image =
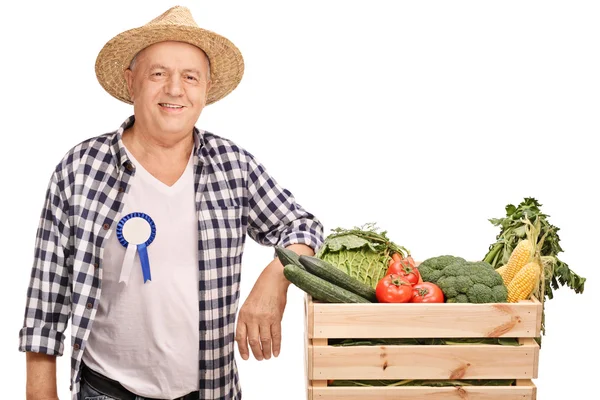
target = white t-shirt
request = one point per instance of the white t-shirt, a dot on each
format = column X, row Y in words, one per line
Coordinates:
column 145, row 335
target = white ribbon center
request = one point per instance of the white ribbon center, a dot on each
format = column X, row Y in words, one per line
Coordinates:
column 136, row 230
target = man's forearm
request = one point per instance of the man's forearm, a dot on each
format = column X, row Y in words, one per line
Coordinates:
column 41, row 377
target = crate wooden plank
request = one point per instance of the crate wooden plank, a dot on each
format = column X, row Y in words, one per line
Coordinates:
column 316, row 378
column 529, row 384
column 308, row 309
column 429, row 393
column 309, row 345
column 425, row 362
column 440, row 320
column 532, row 342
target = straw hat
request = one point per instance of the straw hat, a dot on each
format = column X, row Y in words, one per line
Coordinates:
column 177, row 24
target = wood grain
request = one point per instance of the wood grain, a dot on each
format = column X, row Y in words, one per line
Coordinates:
column 425, row 362
column 426, row 393
column 411, row 320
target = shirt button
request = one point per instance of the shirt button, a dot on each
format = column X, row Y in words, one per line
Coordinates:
column 121, row 189
column 96, row 265
column 130, row 167
column 89, row 305
column 105, row 226
column 76, row 346
column 70, row 387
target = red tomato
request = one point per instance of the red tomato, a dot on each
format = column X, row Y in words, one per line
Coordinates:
column 404, row 269
column 427, row 292
column 393, row 289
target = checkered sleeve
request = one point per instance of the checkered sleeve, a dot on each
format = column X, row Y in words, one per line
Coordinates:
column 275, row 217
column 47, row 307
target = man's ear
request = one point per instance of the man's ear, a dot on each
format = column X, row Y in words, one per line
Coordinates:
column 129, row 78
column 208, row 85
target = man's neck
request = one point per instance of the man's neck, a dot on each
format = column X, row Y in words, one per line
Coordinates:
column 155, row 148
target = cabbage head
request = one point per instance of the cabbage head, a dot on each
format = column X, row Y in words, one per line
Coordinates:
column 361, row 252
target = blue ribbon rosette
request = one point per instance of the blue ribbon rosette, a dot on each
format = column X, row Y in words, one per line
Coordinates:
column 135, row 232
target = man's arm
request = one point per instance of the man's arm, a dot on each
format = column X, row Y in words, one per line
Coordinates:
column 259, row 321
column 41, row 377
column 48, row 305
column 274, row 215
column 274, row 218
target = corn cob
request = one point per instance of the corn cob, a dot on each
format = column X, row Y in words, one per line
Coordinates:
column 501, row 270
column 519, row 257
column 523, row 283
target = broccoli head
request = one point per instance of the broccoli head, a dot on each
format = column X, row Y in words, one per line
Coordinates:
column 472, row 282
column 431, row 268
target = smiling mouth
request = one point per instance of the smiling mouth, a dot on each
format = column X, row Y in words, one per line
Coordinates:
column 169, row 105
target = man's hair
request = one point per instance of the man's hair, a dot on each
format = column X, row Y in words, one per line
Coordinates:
column 133, row 61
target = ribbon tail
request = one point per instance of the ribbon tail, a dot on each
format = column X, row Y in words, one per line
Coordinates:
column 127, row 266
column 143, row 251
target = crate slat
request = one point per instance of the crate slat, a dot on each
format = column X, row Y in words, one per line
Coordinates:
column 429, row 393
column 441, row 320
column 425, row 362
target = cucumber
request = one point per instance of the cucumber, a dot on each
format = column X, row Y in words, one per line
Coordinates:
column 287, row 256
column 319, row 288
column 325, row 270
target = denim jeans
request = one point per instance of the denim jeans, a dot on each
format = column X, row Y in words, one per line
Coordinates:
column 90, row 393
column 94, row 387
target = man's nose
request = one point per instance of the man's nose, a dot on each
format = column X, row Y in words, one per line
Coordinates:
column 174, row 86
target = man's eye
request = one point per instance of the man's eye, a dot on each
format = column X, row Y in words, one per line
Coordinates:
column 158, row 74
column 191, row 78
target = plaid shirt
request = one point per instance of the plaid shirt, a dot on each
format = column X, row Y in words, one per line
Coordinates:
column 234, row 196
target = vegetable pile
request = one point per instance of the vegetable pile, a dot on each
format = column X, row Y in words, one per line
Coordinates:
column 362, row 265
column 368, row 269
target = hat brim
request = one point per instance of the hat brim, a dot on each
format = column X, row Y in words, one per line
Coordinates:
column 226, row 61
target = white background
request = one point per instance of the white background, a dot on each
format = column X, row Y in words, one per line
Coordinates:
column 425, row 117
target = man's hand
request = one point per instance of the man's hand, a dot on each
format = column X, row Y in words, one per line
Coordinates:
column 259, row 320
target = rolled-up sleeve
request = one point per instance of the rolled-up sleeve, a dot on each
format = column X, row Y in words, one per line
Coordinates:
column 47, row 307
column 275, row 217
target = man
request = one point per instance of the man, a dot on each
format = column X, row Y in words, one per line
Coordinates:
column 142, row 234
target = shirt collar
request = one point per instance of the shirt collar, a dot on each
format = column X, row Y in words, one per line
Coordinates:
column 118, row 148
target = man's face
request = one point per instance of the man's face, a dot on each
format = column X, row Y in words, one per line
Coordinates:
column 169, row 84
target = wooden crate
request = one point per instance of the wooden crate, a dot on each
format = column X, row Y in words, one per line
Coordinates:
column 324, row 362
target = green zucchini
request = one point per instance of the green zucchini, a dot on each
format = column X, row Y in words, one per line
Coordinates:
column 319, row 288
column 325, row 270
column 287, row 256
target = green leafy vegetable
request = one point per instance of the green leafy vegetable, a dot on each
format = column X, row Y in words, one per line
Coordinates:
column 513, row 229
column 361, row 252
